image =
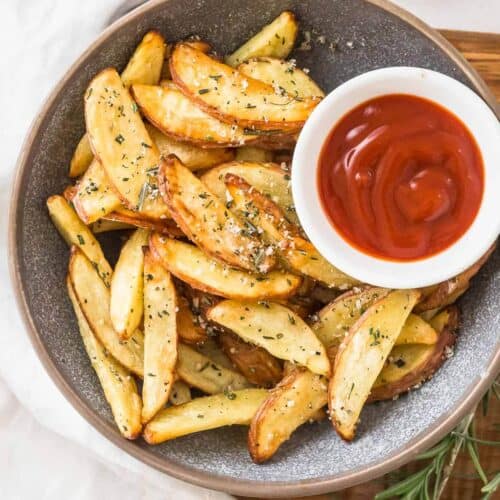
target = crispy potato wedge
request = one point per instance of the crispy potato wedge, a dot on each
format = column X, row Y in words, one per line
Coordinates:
column 293, row 402
column 193, row 157
column 190, row 264
column 253, row 154
column 212, row 350
column 283, row 75
column 299, row 254
column 448, row 291
column 187, row 327
column 75, row 232
column 207, row 222
column 160, row 336
column 410, row 365
column 174, row 114
column 275, row 39
column 205, row 374
column 236, row 98
column 145, row 64
column 275, row 328
column 362, row 355
column 119, row 138
column 94, row 196
column 255, row 363
column 118, row 385
column 105, row 226
column 126, row 305
column 82, row 157
column 201, row 414
column 268, row 178
column 94, row 298
column 180, row 393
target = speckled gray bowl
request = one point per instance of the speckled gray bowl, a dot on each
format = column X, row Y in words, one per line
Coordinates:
column 367, row 35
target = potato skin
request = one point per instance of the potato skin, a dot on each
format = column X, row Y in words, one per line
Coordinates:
column 255, row 363
column 447, row 339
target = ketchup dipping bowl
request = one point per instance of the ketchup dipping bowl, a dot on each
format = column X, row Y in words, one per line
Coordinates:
column 410, row 196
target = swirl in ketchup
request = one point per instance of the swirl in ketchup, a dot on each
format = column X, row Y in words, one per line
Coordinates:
column 400, row 177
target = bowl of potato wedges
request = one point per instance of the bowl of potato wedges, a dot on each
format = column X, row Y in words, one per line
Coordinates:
column 165, row 280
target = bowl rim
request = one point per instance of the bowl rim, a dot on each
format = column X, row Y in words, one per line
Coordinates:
column 282, row 489
column 432, row 86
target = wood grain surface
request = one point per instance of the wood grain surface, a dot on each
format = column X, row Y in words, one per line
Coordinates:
column 482, row 50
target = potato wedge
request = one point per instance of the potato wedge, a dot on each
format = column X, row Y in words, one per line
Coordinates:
column 126, row 303
column 207, row 222
column 253, row 154
column 275, row 39
column 118, row 385
column 105, row 226
column 119, row 138
column 141, row 68
column 445, row 293
column 160, row 336
column 362, row 355
column 268, row 178
column 293, row 402
column 82, row 157
column 298, row 253
column 283, row 75
column 180, row 393
column 255, row 363
column 235, row 98
column 187, row 327
column 201, row 414
column 145, row 64
column 174, row 114
column 193, row 157
column 190, row 264
column 410, row 365
column 94, row 196
column 205, row 374
column 94, row 298
column 75, row 232
column 275, row 328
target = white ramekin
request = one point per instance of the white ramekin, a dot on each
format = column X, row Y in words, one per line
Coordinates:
column 449, row 93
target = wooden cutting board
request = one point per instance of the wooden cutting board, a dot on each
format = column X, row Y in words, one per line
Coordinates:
column 482, row 50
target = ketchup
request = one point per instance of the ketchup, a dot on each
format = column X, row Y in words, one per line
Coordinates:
column 400, row 177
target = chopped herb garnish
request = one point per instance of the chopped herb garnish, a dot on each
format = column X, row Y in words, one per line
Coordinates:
column 203, row 91
column 120, row 139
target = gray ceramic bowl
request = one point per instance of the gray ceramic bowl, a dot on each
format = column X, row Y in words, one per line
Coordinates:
column 367, row 35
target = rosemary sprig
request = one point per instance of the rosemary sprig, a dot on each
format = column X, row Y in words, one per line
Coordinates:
column 430, row 482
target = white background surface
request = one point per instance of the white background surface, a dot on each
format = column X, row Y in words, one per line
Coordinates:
column 46, row 450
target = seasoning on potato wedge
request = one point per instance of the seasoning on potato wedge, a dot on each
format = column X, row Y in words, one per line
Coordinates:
column 275, row 39
column 189, row 330
column 299, row 254
column 191, row 265
column 180, row 393
column 236, row 98
column 275, row 328
column 293, row 402
column 201, row 414
column 268, row 178
column 116, row 381
column 94, row 299
column 362, row 356
column 208, row 222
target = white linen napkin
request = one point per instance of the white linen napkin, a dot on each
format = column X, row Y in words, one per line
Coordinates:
column 39, row 40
